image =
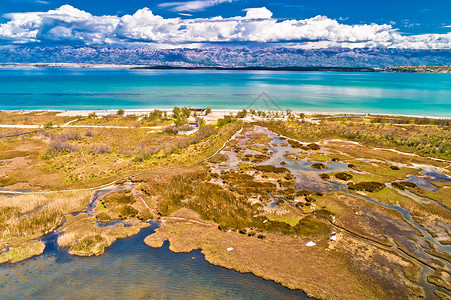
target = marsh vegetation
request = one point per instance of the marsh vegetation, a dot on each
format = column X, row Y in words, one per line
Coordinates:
column 291, row 198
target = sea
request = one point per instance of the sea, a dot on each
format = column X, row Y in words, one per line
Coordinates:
column 131, row 270
column 416, row 94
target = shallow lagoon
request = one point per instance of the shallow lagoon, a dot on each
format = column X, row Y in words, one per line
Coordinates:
column 129, row 269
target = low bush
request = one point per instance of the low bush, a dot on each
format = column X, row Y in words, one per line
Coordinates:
column 366, row 186
column 271, row 169
column 312, row 146
column 324, row 176
column 343, row 176
column 61, row 146
column 101, row 149
column 171, row 130
column 402, row 185
column 319, row 166
column 71, row 136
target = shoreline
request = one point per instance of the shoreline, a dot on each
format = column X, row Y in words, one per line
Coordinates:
column 340, row 69
column 220, row 111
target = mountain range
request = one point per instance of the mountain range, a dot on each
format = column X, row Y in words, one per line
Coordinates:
column 226, row 57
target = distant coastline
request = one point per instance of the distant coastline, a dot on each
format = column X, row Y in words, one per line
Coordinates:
column 396, row 69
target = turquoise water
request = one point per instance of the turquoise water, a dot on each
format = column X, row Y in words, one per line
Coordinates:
column 78, row 89
column 129, row 269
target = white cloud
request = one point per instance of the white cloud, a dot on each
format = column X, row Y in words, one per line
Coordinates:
column 258, row 13
column 194, row 5
column 68, row 25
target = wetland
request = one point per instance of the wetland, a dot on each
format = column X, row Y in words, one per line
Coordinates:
column 319, row 207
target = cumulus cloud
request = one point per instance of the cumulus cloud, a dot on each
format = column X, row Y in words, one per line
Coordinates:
column 195, row 5
column 68, row 25
column 258, row 13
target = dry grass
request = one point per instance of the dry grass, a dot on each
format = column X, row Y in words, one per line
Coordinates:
column 33, row 118
column 36, row 214
column 49, row 160
column 319, row 271
column 83, row 238
column 26, row 250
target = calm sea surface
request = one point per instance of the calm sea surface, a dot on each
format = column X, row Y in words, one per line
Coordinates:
column 78, row 89
column 129, row 269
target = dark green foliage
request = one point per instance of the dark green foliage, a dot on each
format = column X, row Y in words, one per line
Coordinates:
column 181, row 120
column 186, row 112
column 310, row 199
column 343, row 176
column 104, row 217
column 304, row 193
column 311, row 227
column 324, row 214
column 176, row 112
column 366, row 186
column 127, row 211
column 314, row 147
column 294, row 144
column 255, row 158
column 231, row 176
column 271, row 169
column 117, row 198
column 324, row 176
column 242, row 114
column 280, row 202
column 218, row 158
column 319, row 166
column 225, row 120
column 401, row 185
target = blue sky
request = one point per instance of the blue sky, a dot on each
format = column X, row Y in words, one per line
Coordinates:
column 405, row 18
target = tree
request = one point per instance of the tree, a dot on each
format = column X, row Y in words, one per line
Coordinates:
column 207, row 111
column 226, row 120
column 176, row 112
column 120, row 112
column 186, row 111
column 242, row 114
column 181, row 120
column 156, row 114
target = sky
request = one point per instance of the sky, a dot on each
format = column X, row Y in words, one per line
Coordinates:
column 413, row 24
